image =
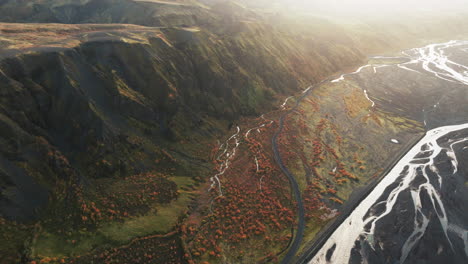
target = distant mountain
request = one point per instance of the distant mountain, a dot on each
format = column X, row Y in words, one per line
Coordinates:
column 101, row 11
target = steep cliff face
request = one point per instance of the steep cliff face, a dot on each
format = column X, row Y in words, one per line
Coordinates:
column 174, row 82
column 106, row 102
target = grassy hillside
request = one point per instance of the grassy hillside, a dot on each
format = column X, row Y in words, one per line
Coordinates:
column 109, row 133
column 94, row 106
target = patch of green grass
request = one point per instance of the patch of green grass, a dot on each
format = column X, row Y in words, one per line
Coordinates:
column 161, row 219
column 12, row 238
column 311, row 231
column 51, row 245
column 300, row 174
column 161, row 222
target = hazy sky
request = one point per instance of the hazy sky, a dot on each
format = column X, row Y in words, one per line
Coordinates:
column 378, row 6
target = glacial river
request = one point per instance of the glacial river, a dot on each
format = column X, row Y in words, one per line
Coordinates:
column 418, row 213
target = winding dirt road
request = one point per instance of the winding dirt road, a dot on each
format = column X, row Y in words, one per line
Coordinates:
column 299, row 234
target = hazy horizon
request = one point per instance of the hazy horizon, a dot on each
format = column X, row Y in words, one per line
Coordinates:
column 365, row 7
